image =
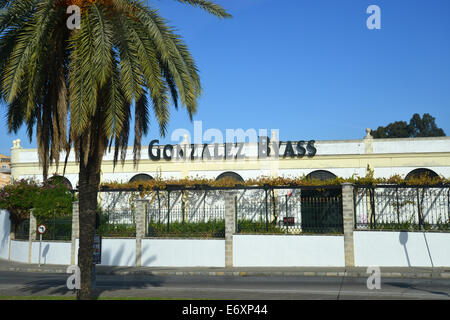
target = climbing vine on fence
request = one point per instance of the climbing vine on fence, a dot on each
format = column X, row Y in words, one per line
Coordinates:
column 147, row 187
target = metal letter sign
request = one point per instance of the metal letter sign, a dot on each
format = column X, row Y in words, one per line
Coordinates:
column 169, row 151
column 97, row 250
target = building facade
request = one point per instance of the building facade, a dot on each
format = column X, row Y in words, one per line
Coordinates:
column 5, row 170
column 341, row 158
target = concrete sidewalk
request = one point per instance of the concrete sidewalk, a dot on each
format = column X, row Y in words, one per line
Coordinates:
column 388, row 272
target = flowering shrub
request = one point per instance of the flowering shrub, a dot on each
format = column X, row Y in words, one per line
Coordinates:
column 46, row 199
column 18, row 198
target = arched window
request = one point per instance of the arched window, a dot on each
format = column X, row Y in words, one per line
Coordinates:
column 422, row 172
column 321, row 175
column 60, row 179
column 141, row 177
column 231, row 175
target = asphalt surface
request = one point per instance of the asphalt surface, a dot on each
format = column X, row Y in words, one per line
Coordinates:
column 227, row 287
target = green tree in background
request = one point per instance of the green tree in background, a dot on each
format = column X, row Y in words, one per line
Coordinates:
column 80, row 89
column 417, row 127
column 424, row 127
column 398, row 129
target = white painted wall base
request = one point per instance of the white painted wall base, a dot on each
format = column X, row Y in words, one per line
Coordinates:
column 183, row 253
column 372, row 248
column 5, row 227
column 115, row 252
column 288, row 251
column 402, row 249
column 163, row 252
column 19, row 250
column 52, row 252
column 118, row 252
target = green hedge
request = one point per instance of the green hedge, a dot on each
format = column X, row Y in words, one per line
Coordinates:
column 210, row 229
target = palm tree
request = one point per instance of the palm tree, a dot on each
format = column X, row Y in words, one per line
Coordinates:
column 79, row 88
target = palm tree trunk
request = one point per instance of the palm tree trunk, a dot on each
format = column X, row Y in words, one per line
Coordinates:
column 89, row 180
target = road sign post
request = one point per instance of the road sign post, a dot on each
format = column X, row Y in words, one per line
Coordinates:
column 41, row 229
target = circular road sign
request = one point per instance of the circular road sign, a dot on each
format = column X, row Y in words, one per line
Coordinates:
column 42, row 228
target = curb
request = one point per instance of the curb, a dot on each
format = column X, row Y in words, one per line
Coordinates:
column 349, row 274
column 31, row 269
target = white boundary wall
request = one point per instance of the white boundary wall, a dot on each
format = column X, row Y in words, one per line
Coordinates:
column 5, row 227
column 115, row 252
column 372, row 248
column 52, row 252
column 19, row 250
column 288, row 251
column 183, row 253
column 118, row 252
column 402, row 249
column 163, row 252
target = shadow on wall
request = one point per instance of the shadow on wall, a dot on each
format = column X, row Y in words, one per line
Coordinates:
column 117, row 257
column 44, row 253
column 403, row 238
column 5, row 233
column 4, row 242
column 148, row 262
column 428, row 250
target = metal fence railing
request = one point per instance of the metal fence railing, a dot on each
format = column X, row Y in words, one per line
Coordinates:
column 117, row 223
column 259, row 210
column 200, row 212
column 58, row 228
column 186, row 214
column 402, row 208
column 116, row 216
column 290, row 211
column 22, row 231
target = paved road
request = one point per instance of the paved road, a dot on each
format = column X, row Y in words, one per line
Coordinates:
column 227, row 288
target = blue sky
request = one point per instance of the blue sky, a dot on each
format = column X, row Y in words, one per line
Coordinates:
column 311, row 68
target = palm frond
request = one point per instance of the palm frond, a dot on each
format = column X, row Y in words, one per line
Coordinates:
column 88, row 81
column 209, row 6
